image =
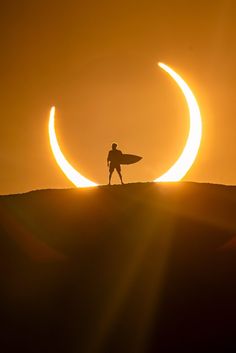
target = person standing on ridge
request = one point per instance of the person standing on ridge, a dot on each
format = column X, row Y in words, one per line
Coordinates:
column 113, row 162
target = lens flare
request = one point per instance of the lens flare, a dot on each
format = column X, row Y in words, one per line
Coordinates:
column 73, row 175
column 189, row 153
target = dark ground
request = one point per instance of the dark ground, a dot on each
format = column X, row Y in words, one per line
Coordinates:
column 133, row 268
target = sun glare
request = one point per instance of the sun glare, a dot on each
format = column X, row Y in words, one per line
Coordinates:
column 73, row 175
column 188, row 156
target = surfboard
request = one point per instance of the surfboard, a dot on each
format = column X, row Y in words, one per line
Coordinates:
column 129, row 159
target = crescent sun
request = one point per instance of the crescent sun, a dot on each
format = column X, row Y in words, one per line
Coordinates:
column 71, row 173
column 189, row 153
column 178, row 169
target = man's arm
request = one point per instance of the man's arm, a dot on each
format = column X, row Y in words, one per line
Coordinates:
column 108, row 159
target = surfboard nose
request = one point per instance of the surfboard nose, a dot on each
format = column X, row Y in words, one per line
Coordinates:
column 130, row 159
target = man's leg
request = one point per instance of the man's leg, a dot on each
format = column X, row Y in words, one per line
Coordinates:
column 119, row 173
column 110, row 175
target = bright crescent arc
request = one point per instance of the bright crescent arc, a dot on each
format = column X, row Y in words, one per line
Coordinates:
column 71, row 173
column 178, row 169
column 189, row 154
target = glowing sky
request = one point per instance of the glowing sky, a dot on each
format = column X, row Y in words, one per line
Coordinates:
column 96, row 62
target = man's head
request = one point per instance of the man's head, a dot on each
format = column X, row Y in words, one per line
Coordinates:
column 114, row 146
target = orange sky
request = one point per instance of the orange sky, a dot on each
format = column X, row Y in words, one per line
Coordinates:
column 96, row 61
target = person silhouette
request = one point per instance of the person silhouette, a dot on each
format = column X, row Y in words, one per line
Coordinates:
column 113, row 162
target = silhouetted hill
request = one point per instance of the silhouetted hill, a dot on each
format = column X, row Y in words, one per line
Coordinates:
column 132, row 268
